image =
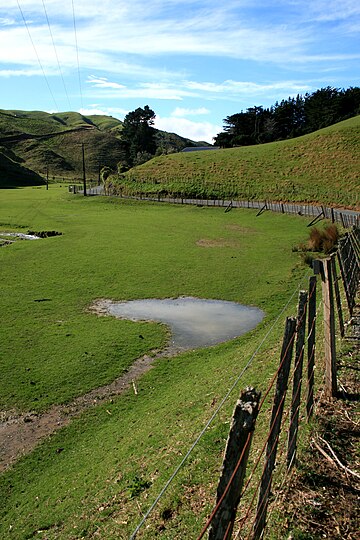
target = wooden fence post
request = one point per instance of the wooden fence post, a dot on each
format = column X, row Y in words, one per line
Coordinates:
column 329, row 329
column 311, row 346
column 275, row 425
column 296, row 392
column 341, row 258
column 337, row 295
column 234, row 465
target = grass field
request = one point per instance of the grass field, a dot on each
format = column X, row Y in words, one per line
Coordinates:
column 322, row 167
column 94, row 478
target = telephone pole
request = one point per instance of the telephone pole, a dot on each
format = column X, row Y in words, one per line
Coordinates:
column 83, row 164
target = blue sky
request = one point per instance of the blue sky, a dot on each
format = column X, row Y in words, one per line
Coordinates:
column 192, row 62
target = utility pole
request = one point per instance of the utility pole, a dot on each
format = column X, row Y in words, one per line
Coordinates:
column 47, row 176
column 83, row 164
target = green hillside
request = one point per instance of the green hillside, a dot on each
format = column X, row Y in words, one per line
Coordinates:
column 322, row 167
column 13, row 173
column 42, row 141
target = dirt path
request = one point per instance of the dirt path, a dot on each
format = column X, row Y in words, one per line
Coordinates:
column 19, row 434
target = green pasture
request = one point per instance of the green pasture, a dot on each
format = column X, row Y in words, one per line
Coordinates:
column 322, row 168
column 96, row 477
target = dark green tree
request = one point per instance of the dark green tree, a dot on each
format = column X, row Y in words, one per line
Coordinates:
column 322, row 108
column 138, row 135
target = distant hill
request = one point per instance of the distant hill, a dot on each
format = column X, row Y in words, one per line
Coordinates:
column 41, row 141
column 322, row 167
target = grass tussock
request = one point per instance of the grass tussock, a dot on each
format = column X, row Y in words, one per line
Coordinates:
column 323, row 240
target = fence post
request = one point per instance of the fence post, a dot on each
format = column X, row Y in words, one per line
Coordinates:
column 311, row 346
column 342, row 256
column 342, row 220
column 275, row 425
column 296, row 392
column 337, row 295
column 234, row 465
column 329, row 328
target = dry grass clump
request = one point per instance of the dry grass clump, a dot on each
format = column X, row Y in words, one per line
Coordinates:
column 323, row 240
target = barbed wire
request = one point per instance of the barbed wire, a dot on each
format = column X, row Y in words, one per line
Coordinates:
column 299, row 360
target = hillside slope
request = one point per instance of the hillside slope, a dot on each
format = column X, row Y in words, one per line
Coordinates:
column 322, row 167
column 42, row 141
column 14, row 174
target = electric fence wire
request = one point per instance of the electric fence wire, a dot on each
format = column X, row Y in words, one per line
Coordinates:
column 37, row 54
column 280, row 469
column 56, row 54
column 212, row 418
column 77, row 53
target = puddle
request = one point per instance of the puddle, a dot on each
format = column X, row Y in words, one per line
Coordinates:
column 22, row 236
column 193, row 322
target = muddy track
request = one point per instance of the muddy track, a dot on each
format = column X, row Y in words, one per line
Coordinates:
column 20, row 434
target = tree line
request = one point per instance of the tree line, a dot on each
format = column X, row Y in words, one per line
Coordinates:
column 290, row 118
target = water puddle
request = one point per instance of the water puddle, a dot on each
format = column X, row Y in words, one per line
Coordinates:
column 193, row 322
column 21, row 236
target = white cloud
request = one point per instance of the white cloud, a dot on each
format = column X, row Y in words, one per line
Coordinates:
column 108, row 31
column 332, row 10
column 196, row 131
column 186, row 89
column 103, row 111
column 6, row 21
column 111, row 90
column 20, row 72
column 103, row 82
column 237, row 51
column 246, row 87
column 181, row 112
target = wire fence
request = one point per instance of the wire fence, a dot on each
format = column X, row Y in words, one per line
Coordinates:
column 348, row 218
column 273, row 462
column 255, row 473
column 253, row 479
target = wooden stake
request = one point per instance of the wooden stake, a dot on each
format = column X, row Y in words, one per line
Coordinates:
column 234, row 465
column 83, row 166
column 329, row 329
column 296, row 393
column 275, row 425
column 311, row 346
column 337, row 295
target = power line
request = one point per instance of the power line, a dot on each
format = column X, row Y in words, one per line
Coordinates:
column 55, row 51
column 37, row 55
column 77, row 52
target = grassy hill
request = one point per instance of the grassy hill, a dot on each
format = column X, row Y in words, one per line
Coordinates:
column 322, row 167
column 13, row 173
column 40, row 140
